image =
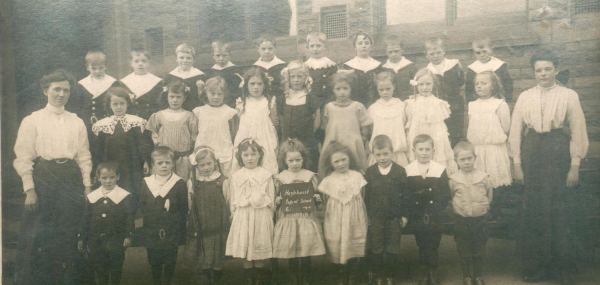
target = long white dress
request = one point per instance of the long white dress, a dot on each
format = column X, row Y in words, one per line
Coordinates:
column 255, row 123
column 346, row 222
column 213, row 131
column 389, row 119
column 251, row 199
column 489, row 121
column 426, row 115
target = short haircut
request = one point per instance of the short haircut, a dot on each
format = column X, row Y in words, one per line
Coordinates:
column 464, row 146
column 221, row 46
column 213, row 84
column 421, row 139
column 176, row 86
column 293, row 145
column 381, row 142
column 116, row 92
column 246, row 144
column 137, row 52
column 384, row 76
column 185, row 48
column 483, row 44
column 361, row 33
column 391, row 40
column 342, row 77
column 497, row 89
column 162, row 151
column 544, row 55
column 316, row 36
column 95, row 58
column 58, row 75
column 333, row 148
column 432, row 43
column 108, row 165
column 436, row 80
column 266, row 38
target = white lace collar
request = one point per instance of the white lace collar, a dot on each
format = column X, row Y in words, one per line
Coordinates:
column 492, row 65
column 460, row 177
column 303, row 175
column 214, row 176
column 397, row 66
column 365, row 65
column 97, row 87
column 185, row 75
column 116, row 195
column 141, row 84
column 107, row 125
column 435, row 169
column 218, row 67
column 156, row 189
column 256, row 176
column 323, row 62
column 55, row 110
column 267, row 65
column 448, row 64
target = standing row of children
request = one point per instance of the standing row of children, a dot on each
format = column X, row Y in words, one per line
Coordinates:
column 225, row 154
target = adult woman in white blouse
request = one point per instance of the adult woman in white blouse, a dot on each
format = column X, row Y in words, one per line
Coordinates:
column 54, row 162
column 546, row 157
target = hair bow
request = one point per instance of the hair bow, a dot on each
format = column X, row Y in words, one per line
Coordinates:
column 187, row 89
column 194, row 155
column 165, row 89
column 413, row 82
column 132, row 96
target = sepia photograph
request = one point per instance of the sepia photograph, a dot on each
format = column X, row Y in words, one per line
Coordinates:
column 276, row 142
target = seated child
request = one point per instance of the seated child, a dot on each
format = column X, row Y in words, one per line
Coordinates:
column 427, row 182
column 107, row 225
column 471, row 197
column 387, row 208
column 164, row 206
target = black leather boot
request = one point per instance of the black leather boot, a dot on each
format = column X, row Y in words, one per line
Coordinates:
column 424, row 277
column 433, row 279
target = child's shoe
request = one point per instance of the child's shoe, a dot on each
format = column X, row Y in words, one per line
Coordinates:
column 467, row 281
column 424, row 278
column 389, row 281
column 433, row 280
column 478, row 281
column 378, row 281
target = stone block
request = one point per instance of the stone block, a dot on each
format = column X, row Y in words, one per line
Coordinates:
column 587, row 82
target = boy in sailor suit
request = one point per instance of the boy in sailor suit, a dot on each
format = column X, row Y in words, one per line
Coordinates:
column 107, row 225
column 482, row 49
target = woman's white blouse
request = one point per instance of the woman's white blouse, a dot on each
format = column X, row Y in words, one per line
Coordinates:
column 560, row 104
column 51, row 133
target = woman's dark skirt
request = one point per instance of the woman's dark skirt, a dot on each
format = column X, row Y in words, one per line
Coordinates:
column 47, row 249
column 546, row 235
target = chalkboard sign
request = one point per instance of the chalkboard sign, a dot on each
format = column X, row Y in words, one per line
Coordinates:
column 297, row 198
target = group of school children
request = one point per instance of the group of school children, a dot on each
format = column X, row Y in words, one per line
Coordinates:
column 206, row 157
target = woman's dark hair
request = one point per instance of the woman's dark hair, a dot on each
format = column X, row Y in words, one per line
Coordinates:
column 246, row 144
column 544, row 55
column 176, row 86
column 116, row 92
column 57, row 76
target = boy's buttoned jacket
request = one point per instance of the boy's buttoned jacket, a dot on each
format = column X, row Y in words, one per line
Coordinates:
column 470, row 198
column 385, row 195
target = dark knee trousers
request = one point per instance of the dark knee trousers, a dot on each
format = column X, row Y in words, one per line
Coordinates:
column 471, row 237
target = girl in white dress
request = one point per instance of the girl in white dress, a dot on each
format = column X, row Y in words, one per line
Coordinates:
column 426, row 114
column 258, row 117
column 345, row 225
column 298, row 236
column 388, row 118
column 217, row 122
column 489, row 123
column 251, row 199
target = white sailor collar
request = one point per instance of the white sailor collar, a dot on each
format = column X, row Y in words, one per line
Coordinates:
column 448, row 64
column 97, row 87
column 397, row 66
column 218, row 67
column 185, row 75
column 268, row 65
column 365, row 65
column 256, row 176
column 116, row 195
column 460, row 177
column 287, row 176
column 214, row 176
column 141, row 84
column 323, row 62
column 492, row 65
column 156, row 190
column 107, row 125
column 435, row 169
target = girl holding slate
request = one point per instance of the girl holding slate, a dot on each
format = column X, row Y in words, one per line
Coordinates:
column 297, row 234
